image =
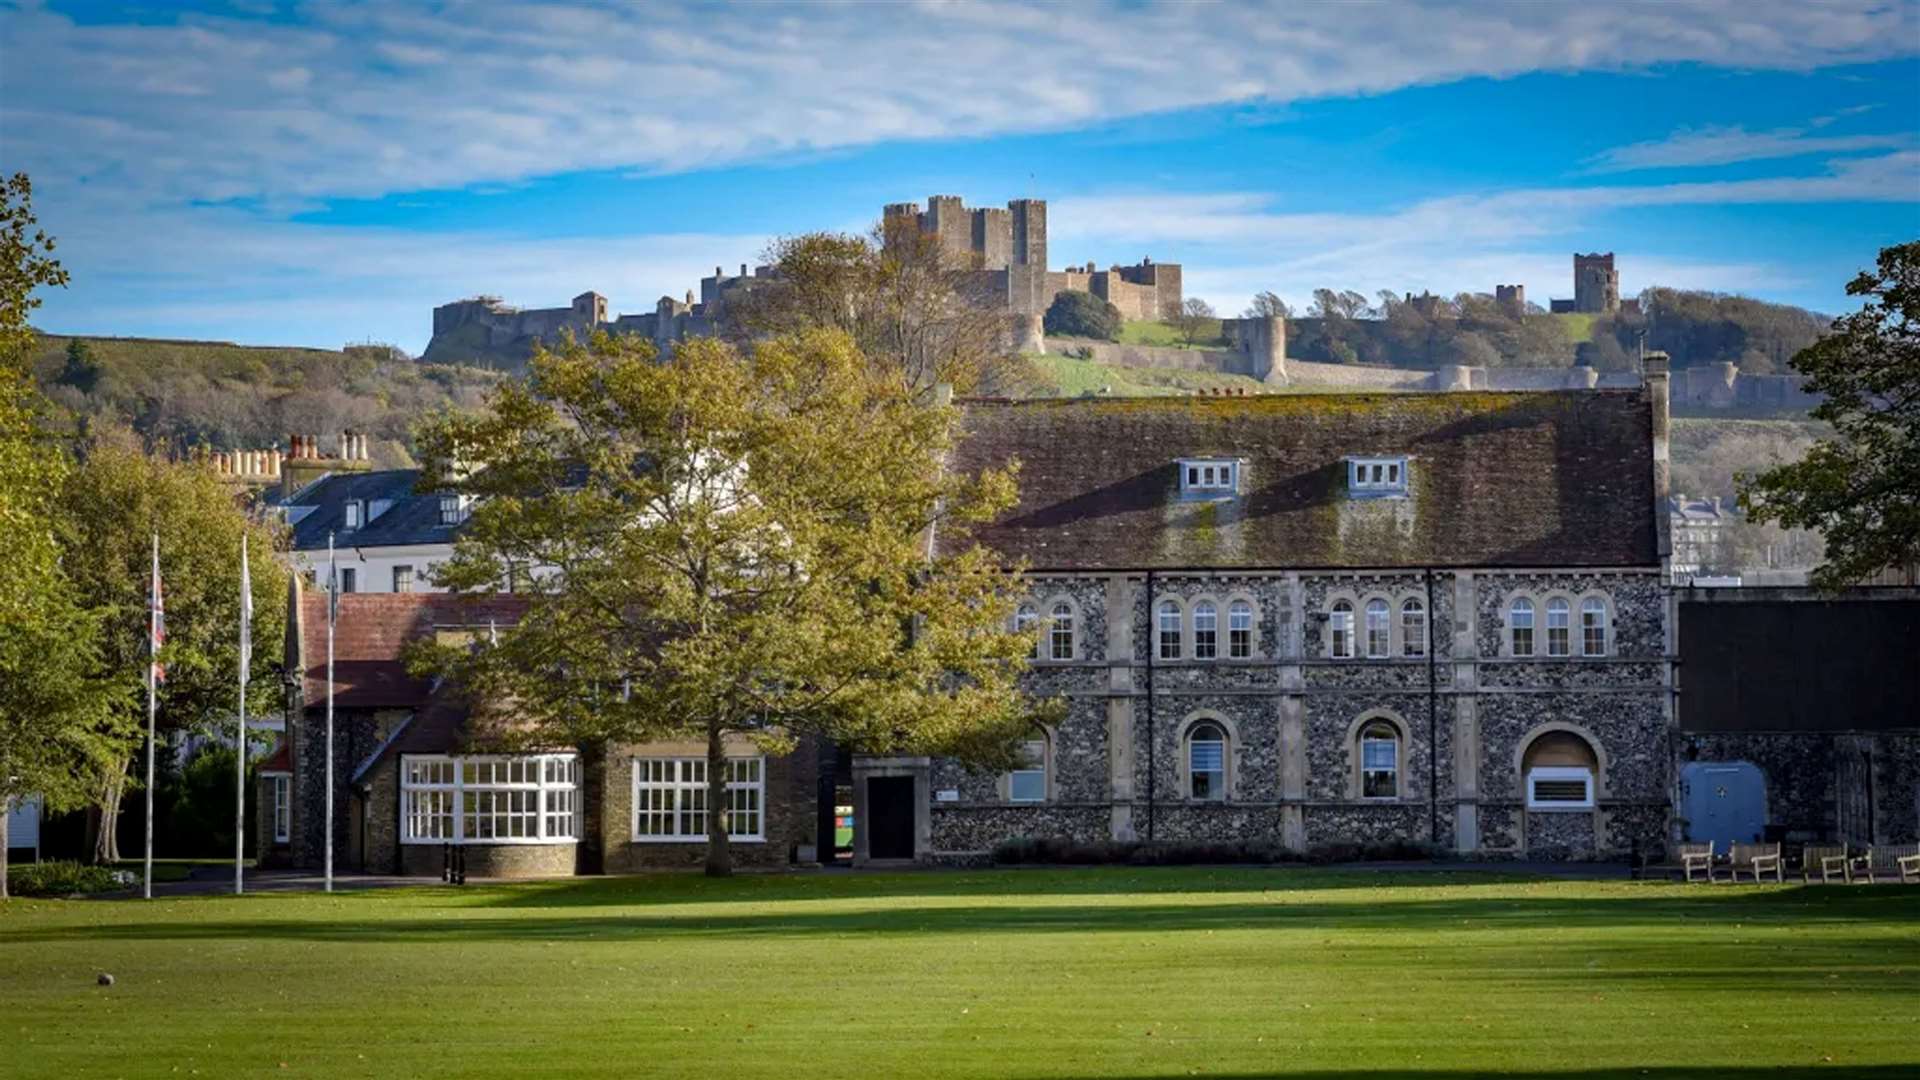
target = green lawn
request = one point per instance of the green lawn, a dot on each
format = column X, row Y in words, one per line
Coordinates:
column 1036, row 973
column 1064, row 376
column 1157, row 332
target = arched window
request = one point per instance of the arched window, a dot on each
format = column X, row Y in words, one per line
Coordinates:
column 1207, row 761
column 1520, row 625
column 1413, row 628
column 1379, row 761
column 1028, row 783
column 1169, row 630
column 1559, row 768
column 1379, row 631
column 1240, row 630
column 1026, row 621
column 1060, row 636
column 1340, row 625
column 1206, row 631
column 1593, row 626
column 1559, row 643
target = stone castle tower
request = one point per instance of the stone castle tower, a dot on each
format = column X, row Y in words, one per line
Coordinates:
column 1596, row 284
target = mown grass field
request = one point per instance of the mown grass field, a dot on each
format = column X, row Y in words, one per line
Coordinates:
column 1089, row 973
column 1065, row 376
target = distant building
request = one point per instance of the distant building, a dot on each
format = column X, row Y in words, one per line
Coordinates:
column 1596, row 287
column 1699, row 526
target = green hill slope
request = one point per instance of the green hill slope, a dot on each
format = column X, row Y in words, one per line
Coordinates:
column 227, row 396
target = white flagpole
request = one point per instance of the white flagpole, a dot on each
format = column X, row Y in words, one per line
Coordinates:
column 333, row 593
column 240, row 743
column 153, row 631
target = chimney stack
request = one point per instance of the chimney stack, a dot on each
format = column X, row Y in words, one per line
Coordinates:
column 1654, row 375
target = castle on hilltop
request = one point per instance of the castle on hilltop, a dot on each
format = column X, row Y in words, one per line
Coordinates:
column 1005, row 250
column 1596, row 288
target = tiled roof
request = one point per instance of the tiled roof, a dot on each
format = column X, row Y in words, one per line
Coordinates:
column 1497, row 480
column 281, row 760
column 370, row 634
column 411, row 518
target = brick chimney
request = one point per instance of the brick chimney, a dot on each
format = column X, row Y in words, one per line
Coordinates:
column 1654, row 376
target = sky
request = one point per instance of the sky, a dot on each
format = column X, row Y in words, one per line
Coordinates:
column 324, row 173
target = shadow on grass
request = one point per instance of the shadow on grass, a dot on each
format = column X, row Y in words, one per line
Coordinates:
column 1654, row 1073
column 1721, row 912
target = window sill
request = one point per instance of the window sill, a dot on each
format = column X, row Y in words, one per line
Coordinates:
column 1560, row 809
column 695, row 840
column 508, row 841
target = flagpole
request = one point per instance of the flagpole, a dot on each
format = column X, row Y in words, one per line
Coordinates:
column 153, row 649
column 333, row 593
column 240, row 742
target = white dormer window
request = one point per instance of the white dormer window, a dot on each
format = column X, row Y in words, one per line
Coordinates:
column 454, row 509
column 1375, row 476
column 356, row 514
column 1209, row 476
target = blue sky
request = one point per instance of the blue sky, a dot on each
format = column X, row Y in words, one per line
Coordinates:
column 319, row 173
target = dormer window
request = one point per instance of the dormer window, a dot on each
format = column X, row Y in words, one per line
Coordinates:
column 356, row 514
column 1376, row 476
column 1209, row 477
column 453, row 509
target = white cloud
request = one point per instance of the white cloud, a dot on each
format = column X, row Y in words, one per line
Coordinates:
column 1691, row 148
column 363, row 99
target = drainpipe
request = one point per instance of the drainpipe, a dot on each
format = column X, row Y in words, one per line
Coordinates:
column 1433, row 720
column 1153, row 744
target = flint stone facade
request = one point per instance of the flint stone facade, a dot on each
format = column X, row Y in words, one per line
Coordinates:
column 1538, row 496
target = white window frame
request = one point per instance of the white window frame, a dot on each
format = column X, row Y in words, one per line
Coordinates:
column 1209, row 476
column 355, row 515
column 1559, row 773
column 1589, row 606
column 1392, row 739
column 1060, row 631
column 1206, row 630
column 1340, row 629
column 1413, row 627
column 1521, row 605
column 397, row 570
column 1224, row 772
column 1161, row 630
column 681, row 784
column 281, row 790
column 1377, row 475
column 436, row 787
column 1239, row 630
column 1382, row 634
column 349, row 579
column 1562, row 607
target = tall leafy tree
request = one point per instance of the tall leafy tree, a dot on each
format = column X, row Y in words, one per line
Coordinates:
column 1861, row 487
column 732, row 544
column 56, row 723
column 114, row 501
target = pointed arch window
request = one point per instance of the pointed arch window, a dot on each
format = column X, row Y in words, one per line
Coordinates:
column 1206, row 631
column 1520, row 627
column 1340, row 627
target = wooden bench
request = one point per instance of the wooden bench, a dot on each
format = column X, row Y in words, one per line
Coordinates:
column 1756, row 861
column 1900, row 861
column 1826, row 860
column 1695, row 859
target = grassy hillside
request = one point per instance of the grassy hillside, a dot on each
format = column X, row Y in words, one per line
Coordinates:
column 1156, row 332
column 228, row 396
column 1064, row 376
column 1707, row 453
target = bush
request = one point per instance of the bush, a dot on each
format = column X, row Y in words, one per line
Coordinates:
column 65, row 879
column 1061, row 851
column 1080, row 314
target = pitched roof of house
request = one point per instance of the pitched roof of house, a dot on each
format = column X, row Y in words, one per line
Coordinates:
column 1496, row 480
column 394, row 514
column 370, row 635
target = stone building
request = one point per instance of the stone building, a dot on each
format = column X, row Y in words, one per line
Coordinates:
column 1699, row 526
column 1008, row 249
column 1429, row 619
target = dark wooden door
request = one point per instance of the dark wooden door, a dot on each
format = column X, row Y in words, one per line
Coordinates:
column 889, row 817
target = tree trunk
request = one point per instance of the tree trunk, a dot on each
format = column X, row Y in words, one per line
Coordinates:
column 106, row 844
column 719, row 854
column 6, row 805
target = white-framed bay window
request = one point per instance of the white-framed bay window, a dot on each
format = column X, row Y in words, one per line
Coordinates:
column 490, row 799
column 670, row 799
